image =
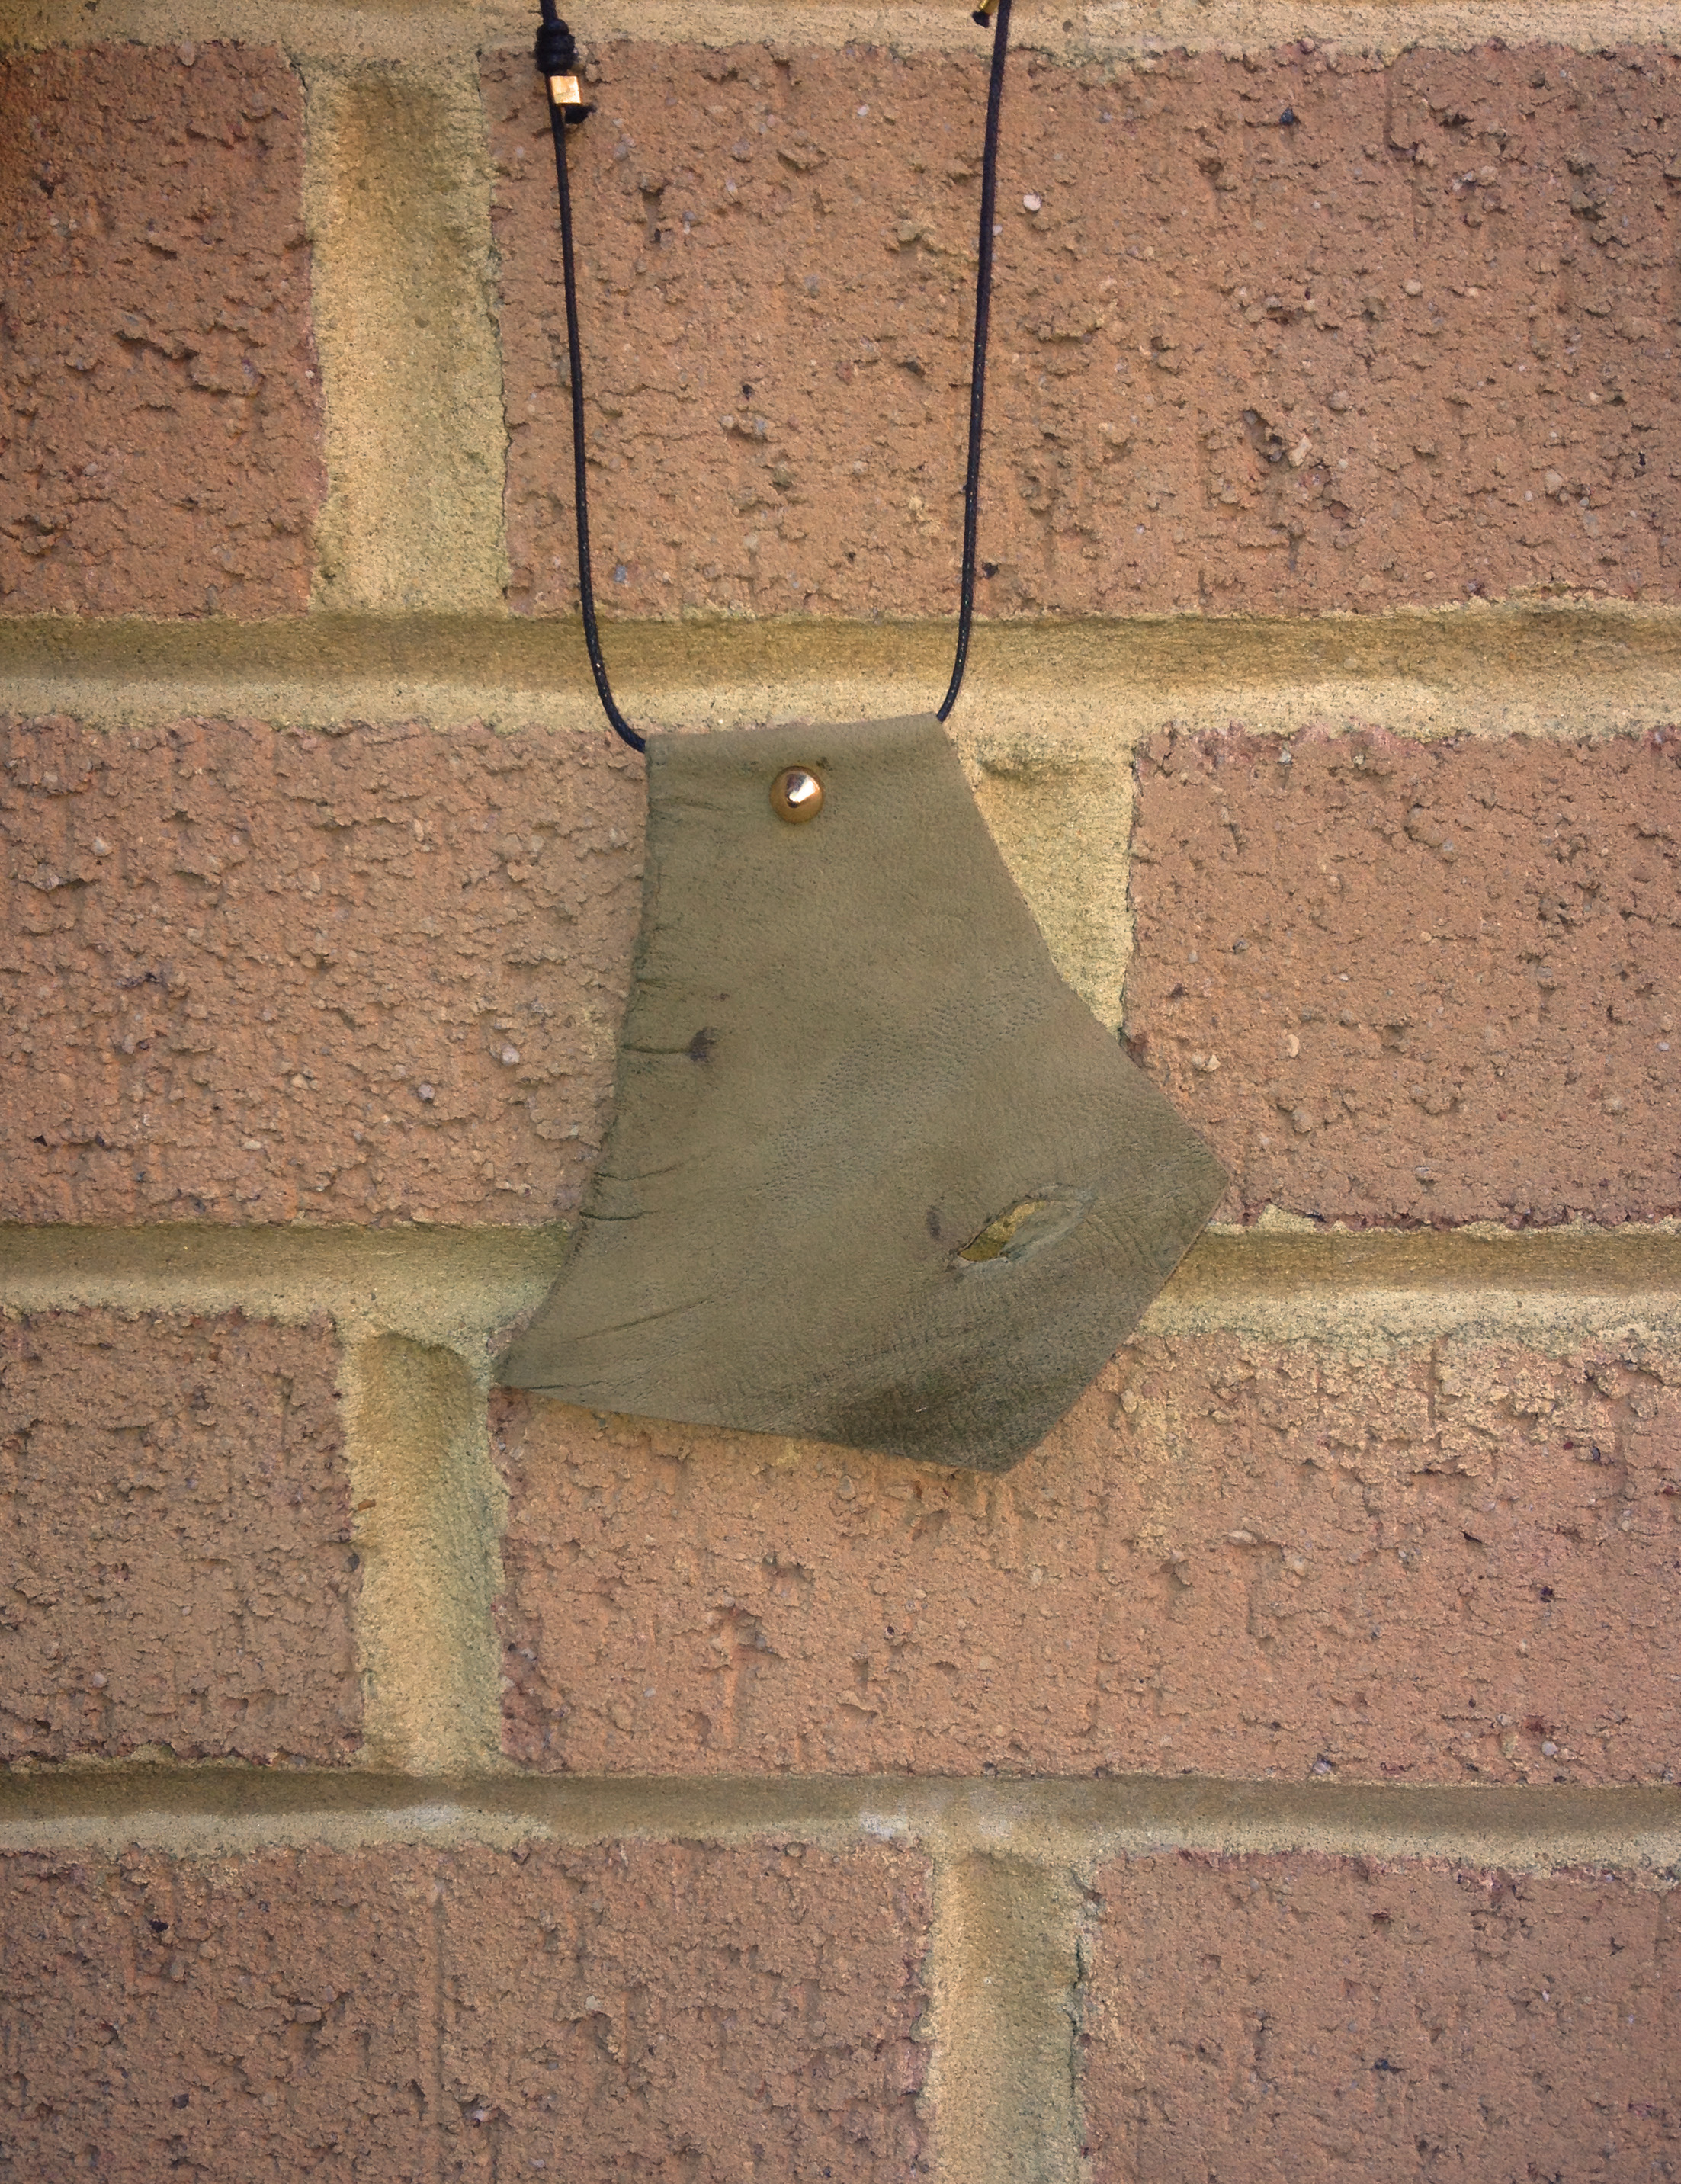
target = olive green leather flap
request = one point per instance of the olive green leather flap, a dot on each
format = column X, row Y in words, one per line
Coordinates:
column 877, row 1175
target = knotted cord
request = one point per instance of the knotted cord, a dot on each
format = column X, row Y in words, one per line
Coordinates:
column 557, row 57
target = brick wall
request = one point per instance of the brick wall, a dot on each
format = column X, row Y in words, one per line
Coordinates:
column 1274, row 1777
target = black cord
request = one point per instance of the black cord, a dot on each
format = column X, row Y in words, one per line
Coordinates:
column 977, row 373
column 557, row 57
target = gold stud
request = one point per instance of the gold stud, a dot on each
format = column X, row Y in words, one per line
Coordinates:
column 796, row 796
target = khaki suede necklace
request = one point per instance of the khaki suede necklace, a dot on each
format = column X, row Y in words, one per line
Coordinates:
column 876, row 1173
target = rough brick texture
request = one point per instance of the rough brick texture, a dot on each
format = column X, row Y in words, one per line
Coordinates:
column 683, row 2014
column 1448, row 1564
column 253, row 975
column 1290, row 334
column 1401, row 983
column 174, row 1569
column 160, row 437
column 1289, row 2019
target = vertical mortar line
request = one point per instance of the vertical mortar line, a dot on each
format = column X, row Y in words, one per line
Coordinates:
column 1007, row 1968
column 428, row 1525
column 397, row 190
column 1060, row 807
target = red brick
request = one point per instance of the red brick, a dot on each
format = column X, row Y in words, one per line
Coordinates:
column 1434, row 1563
column 1211, row 388
column 175, row 1568
column 682, row 2012
column 159, row 442
column 677, row 2011
column 259, row 2017
column 1284, row 2019
column 1401, row 982
column 252, row 975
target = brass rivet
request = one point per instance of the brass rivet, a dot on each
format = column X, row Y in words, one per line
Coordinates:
column 796, row 796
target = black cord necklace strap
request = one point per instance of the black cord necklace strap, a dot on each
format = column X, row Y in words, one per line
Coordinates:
column 977, row 374
column 557, row 57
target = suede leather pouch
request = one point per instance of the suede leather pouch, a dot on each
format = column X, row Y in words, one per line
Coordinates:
column 876, row 1173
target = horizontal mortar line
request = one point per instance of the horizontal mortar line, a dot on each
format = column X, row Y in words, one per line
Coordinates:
column 1367, row 1288
column 1111, row 31
column 440, row 1284
column 1548, row 669
column 452, row 1285
column 1061, row 1822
